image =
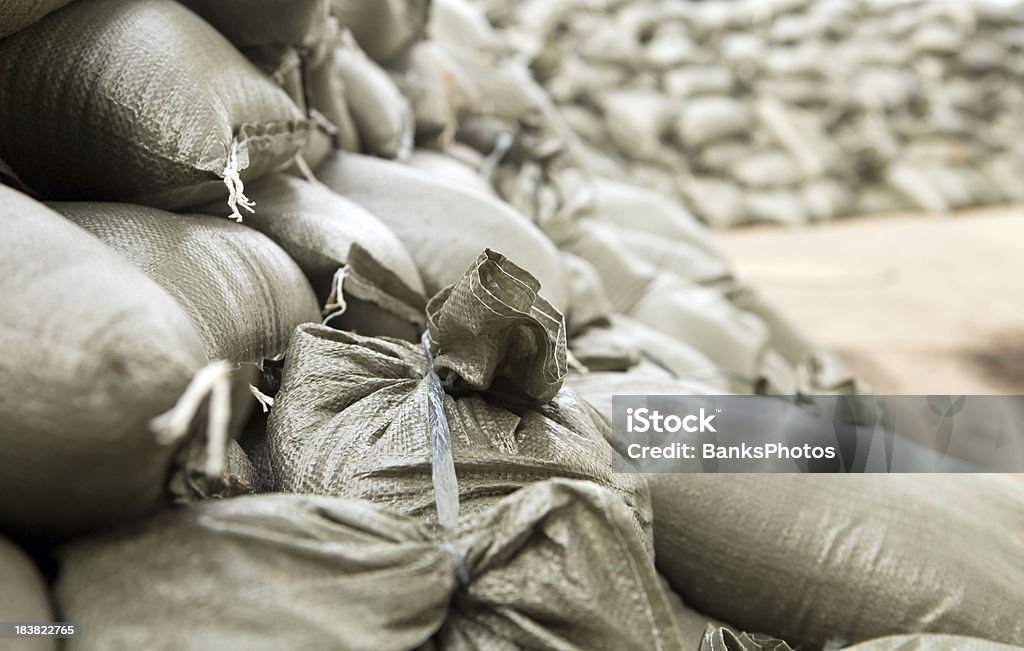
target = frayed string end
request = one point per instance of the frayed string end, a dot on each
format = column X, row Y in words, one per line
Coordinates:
column 236, row 189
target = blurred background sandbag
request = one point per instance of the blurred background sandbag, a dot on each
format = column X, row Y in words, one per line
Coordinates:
column 241, row 291
column 218, row 573
column 25, row 597
column 863, row 556
column 256, row 23
column 443, row 226
column 385, row 29
column 787, row 110
column 149, row 104
column 95, row 351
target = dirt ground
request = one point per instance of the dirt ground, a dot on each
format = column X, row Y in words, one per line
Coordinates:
column 916, row 304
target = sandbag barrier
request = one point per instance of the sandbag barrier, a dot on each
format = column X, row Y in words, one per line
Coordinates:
column 789, row 111
column 444, row 466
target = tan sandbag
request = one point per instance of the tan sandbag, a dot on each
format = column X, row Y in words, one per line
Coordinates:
column 555, row 565
column 443, row 226
column 25, row 597
column 427, row 79
column 156, row 108
column 588, row 304
column 861, row 556
column 381, row 114
column 95, row 351
column 242, row 293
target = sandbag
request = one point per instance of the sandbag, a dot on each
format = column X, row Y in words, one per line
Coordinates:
column 255, row 23
column 904, row 553
column 636, row 122
column 705, row 119
column 385, row 29
column 625, row 276
column 242, row 293
column 25, row 597
column 16, row 15
column 351, row 418
column 931, row 643
column 451, row 169
column 151, row 106
column 556, row 565
column 443, row 226
column 637, row 208
column 95, row 351
column 382, row 293
column 382, row 115
column 701, row 317
column 588, row 304
column 427, row 79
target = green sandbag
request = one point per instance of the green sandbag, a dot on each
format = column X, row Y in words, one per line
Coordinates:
column 24, row 597
column 93, row 352
column 255, row 23
column 139, row 101
column 16, row 15
column 443, row 226
column 556, row 565
column 351, row 417
column 813, row 558
column 242, row 292
column 320, row 230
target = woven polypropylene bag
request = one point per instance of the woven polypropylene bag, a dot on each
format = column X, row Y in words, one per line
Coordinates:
column 24, row 597
column 242, row 292
column 140, row 101
column 351, row 418
column 361, row 272
column 812, row 558
column 556, row 565
column 16, row 15
column 93, row 351
column 444, row 226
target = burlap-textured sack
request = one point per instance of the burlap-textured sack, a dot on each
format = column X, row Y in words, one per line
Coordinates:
column 351, row 418
column 812, row 558
column 140, row 101
column 94, row 351
column 319, row 229
column 242, row 292
column 254, row 23
column 16, row 15
column 385, row 29
column 443, row 226
column 24, row 597
column 556, row 565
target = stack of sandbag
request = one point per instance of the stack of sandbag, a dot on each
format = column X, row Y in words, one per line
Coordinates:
column 789, row 112
column 103, row 383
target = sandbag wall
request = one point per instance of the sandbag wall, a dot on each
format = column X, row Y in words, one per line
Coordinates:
column 790, row 111
column 311, row 323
